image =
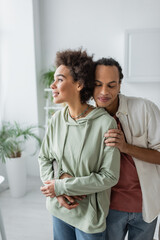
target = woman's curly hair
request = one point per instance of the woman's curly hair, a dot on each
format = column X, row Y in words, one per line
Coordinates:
column 81, row 68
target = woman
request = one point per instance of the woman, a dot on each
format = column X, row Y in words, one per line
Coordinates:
column 75, row 140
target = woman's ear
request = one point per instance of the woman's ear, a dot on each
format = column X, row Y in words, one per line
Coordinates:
column 80, row 85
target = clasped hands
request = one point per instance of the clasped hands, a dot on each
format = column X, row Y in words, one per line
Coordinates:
column 68, row 202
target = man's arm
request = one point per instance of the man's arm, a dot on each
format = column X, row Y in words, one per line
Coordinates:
column 115, row 138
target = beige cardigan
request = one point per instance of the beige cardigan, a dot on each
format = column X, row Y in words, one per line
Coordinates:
column 140, row 120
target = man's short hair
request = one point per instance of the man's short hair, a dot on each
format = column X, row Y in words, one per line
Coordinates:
column 110, row 62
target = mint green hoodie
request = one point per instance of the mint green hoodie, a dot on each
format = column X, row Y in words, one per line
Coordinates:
column 79, row 149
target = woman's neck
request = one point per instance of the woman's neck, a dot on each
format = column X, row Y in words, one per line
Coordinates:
column 77, row 111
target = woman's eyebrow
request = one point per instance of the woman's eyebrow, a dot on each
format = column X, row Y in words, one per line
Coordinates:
column 60, row 75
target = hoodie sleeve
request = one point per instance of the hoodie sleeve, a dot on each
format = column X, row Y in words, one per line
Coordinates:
column 45, row 159
column 107, row 177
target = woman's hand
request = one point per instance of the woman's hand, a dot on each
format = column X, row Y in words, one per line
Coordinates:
column 69, row 202
column 48, row 189
column 65, row 175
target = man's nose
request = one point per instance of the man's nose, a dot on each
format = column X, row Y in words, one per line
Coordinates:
column 104, row 90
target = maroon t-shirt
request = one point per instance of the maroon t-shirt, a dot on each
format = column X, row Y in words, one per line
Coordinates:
column 126, row 195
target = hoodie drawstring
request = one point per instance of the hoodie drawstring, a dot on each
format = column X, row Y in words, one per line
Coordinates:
column 63, row 145
column 87, row 127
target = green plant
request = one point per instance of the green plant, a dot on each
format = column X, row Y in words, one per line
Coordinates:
column 13, row 137
column 48, row 77
column 47, row 80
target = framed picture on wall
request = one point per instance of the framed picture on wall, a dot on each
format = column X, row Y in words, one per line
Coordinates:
column 142, row 55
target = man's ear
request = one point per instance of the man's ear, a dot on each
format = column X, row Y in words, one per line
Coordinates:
column 80, row 85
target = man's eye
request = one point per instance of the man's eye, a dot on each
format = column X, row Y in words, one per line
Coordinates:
column 97, row 84
column 60, row 80
column 111, row 86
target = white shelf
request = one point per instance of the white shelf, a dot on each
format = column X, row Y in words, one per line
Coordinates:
column 54, row 108
column 50, row 106
column 1, row 179
column 48, row 90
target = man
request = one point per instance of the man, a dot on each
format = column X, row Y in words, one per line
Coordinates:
column 135, row 199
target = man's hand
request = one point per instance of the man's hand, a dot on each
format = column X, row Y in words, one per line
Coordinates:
column 116, row 138
column 48, row 189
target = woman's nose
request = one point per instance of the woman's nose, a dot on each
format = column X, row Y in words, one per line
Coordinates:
column 53, row 85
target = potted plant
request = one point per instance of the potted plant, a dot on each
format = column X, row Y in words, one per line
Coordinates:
column 12, row 140
column 47, row 80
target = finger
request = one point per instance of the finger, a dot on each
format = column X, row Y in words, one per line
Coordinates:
column 70, row 199
column 113, row 135
column 43, row 188
column 63, row 203
column 112, row 140
column 79, row 197
column 69, row 206
column 111, row 144
column 47, row 194
column 46, row 191
column 47, row 182
column 118, row 131
column 72, row 206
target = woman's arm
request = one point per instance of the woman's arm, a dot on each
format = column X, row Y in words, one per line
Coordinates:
column 45, row 159
column 107, row 177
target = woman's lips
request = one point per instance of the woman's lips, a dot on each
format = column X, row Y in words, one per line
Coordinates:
column 55, row 94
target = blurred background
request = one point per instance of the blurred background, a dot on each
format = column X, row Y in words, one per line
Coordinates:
column 31, row 32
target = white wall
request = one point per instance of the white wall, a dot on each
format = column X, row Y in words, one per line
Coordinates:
column 52, row 25
column 99, row 26
column 18, row 78
column 38, row 55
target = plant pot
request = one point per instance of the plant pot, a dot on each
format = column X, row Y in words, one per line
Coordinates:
column 17, row 177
